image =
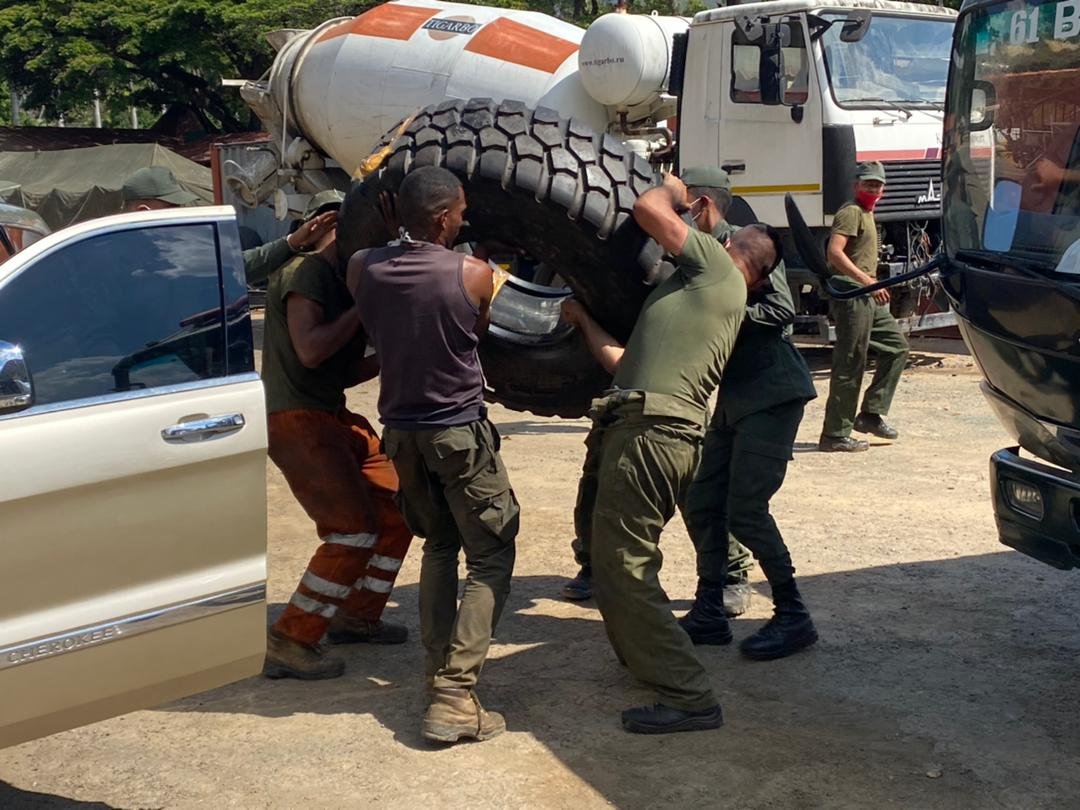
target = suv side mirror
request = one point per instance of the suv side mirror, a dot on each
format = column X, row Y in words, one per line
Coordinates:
column 856, row 25
column 16, row 388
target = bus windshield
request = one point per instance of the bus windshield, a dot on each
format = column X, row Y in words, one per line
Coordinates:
column 1012, row 136
column 902, row 60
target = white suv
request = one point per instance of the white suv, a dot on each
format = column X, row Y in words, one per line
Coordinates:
column 132, row 470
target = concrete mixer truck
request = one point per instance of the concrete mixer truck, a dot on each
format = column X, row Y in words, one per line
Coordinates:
column 555, row 130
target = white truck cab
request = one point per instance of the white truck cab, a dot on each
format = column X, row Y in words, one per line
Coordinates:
column 855, row 80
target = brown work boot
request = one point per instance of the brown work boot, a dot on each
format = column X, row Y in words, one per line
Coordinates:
column 456, row 713
column 354, row 630
column 286, row 658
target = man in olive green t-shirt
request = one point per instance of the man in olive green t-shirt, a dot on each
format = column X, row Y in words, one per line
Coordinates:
column 313, row 350
column 652, row 424
column 862, row 324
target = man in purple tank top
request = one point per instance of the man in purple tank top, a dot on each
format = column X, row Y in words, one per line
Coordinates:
column 425, row 308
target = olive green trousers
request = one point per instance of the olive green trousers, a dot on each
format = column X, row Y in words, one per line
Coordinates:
column 456, row 494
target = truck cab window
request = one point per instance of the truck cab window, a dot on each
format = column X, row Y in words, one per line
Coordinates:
column 746, row 71
column 117, row 312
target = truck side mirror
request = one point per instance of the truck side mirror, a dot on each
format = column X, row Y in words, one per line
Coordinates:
column 775, row 37
column 856, row 25
column 16, row 388
column 981, row 113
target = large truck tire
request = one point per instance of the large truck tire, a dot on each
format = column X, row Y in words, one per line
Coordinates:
column 556, row 190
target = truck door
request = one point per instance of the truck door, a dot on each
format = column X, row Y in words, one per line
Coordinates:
column 767, row 151
column 132, row 470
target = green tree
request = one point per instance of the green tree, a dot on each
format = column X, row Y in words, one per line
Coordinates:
column 146, row 54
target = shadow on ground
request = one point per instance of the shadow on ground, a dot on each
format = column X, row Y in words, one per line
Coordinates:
column 908, row 674
column 15, row 799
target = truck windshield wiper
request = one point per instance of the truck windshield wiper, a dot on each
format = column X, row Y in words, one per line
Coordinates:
column 937, row 105
column 1027, row 267
column 885, row 101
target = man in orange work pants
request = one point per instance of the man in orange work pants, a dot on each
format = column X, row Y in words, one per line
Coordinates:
column 330, row 457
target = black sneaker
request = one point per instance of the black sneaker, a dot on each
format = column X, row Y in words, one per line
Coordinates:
column 580, row 587
column 842, row 444
column 872, row 423
column 661, row 719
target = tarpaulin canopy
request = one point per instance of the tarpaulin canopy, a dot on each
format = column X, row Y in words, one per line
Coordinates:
column 72, row 185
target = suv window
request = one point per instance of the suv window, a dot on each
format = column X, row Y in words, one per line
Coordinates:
column 117, row 312
column 746, row 67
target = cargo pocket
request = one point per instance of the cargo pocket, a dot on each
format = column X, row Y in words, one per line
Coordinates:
column 412, row 517
column 761, row 447
column 501, row 516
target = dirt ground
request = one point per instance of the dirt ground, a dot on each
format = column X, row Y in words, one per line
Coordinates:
column 945, row 675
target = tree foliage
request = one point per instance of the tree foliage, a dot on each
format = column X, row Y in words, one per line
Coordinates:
column 148, row 53
column 154, row 53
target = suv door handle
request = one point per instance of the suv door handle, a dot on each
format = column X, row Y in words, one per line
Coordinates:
column 202, row 429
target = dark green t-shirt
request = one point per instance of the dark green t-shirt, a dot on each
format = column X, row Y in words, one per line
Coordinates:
column 289, row 383
column 862, row 245
column 685, row 332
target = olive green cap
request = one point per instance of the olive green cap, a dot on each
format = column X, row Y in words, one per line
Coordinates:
column 156, row 183
column 705, row 177
column 322, row 202
column 871, row 170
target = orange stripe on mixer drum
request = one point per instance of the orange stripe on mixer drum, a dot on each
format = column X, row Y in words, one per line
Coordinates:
column 389, row 21
column 510, row 41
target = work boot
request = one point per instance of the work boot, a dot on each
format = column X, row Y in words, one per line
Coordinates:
column 580, row 587
column 737, row 595
column 705, row 622
column 874, row 424
column 354, row 630
column 842, row 444
column 661, row 719
column 789, row 630
column 456, row 713
column 286, row 658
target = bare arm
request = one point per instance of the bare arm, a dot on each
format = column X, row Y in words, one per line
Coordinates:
column 607, row 351
column 657, row 212
column 313, row 340
column 840, row 261
column 363, row 368
column 478, row 282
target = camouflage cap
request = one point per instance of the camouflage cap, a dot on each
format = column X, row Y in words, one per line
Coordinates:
column 871, row 170
column 322, row 202
column 156, row 183
column 705, row 177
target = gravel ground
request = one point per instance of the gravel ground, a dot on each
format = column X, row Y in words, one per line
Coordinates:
column 944, row 676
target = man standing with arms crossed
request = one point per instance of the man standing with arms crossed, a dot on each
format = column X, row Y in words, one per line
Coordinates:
column 425, row 309
column 653, row 420
column 862, row 324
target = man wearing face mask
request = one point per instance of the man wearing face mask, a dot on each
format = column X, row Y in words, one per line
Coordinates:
column 862, row 325
column 709, row 191
column 651, row 425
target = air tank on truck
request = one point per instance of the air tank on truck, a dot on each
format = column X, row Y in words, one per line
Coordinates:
column 556, row 130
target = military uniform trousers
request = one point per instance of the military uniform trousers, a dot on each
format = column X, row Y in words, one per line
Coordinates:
column 333, row 466
column 646, row 464
column 743, row 465
column 861, row 326
column 456, row 494
column 739, row 559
